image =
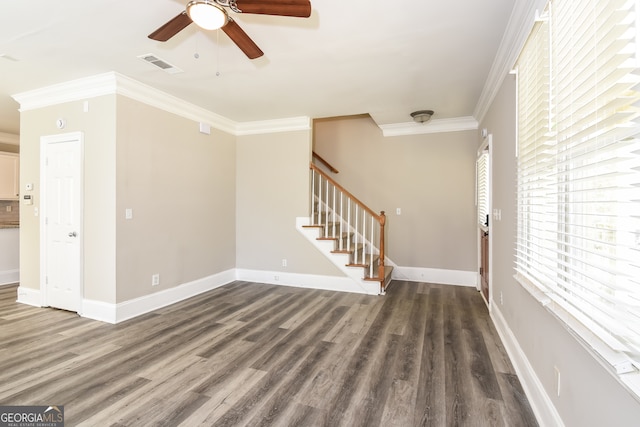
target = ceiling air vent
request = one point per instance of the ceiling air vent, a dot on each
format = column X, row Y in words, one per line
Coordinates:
column 160, row 63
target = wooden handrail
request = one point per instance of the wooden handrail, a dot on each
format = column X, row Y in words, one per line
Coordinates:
column 351, row 196
column 380, row 218
column 324, row 162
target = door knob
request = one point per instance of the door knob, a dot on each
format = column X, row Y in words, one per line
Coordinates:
column 73, row 234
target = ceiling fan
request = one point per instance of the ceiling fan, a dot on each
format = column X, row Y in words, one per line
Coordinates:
column 211, row 15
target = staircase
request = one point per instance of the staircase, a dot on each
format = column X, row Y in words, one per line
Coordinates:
column 347, row 232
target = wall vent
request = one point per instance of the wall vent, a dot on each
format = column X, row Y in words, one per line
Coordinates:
column 160, row 63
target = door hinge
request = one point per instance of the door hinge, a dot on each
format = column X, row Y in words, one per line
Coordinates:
column 481, row 271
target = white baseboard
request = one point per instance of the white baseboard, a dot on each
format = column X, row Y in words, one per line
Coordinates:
column 98, row 310
column 29, row 296
column 541, row 404
column 115, row 313
column 435, row 275
column 9, row 276
column 311, row 281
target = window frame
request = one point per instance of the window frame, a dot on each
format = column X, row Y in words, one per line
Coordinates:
column 529, row 217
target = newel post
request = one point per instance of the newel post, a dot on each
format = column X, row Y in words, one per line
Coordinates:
column 382, row 219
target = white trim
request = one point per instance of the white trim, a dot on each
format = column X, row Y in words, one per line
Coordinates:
column 309, row 281
column 272, row 126
column 29, row 296
column 541, row 403
column 74, row 90
column 9, row 276
column 434, row 126
column 435, row 275
column 115, row 83
column 618, row 364
column 98, row 310
column 116, row 313
column 9, row 138
column 518, row 28
column 45, row 141
column 150, row 96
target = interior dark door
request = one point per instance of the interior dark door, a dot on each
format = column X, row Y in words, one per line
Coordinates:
column 484, row 263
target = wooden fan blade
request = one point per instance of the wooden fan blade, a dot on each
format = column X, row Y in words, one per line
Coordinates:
column 296, row 8
column 171, row 28
column 240, row 38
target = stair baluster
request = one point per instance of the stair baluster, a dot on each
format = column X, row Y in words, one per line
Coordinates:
column 355, row 233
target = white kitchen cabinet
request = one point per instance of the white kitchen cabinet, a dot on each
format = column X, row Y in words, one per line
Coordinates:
column 9, row 176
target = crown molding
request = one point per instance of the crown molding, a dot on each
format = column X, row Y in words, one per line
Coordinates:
column 148, row 95
column 518, row 28
column 9, row 138
column 115, row 83
column 271, row 126
column 433, row 126
column 74, row 90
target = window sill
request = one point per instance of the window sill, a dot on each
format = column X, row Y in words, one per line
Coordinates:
column 618, row 364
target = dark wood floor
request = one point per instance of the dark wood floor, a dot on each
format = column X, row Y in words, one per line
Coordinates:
column 259, row 355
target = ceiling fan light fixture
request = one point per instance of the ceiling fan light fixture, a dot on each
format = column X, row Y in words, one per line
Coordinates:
column 207, row 14
column 422, row 116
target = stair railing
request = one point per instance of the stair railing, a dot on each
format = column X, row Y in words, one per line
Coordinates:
column 356, row 228
column 324, row 162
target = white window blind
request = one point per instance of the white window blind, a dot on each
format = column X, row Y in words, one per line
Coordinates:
column 578, row 236
column 482, row 187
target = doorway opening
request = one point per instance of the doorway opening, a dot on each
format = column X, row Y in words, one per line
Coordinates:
column 483, row 204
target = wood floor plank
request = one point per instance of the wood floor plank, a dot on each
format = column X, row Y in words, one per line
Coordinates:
column 485, row 380
column 225, row 398
column 398, row 409
column 340, row 405
column 431, row 394
column 261, row 355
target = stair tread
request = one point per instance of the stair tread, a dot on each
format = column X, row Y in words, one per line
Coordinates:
column 387, row 271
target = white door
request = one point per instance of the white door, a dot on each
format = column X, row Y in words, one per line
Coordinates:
column 62, row 218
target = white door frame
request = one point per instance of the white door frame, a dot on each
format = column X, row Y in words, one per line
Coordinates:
column 44, row 144
column 486, row 145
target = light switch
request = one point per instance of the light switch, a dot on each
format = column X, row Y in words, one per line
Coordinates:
column 128, row 213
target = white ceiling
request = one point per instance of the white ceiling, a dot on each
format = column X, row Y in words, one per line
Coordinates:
column 350, row 57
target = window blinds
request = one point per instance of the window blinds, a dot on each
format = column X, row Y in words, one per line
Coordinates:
column 482, row 180
column 578, row 236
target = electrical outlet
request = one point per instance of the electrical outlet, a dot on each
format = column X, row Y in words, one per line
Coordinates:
column 8, row 208
column 284, row 262
column 155, row 280
column 398, row 211
column 276, row 278
column 128, row 213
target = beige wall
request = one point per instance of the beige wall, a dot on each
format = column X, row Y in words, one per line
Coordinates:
column 98, row 126
column 180, row 184
column 272, row 190
column 430, row 177
column 590, row 396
